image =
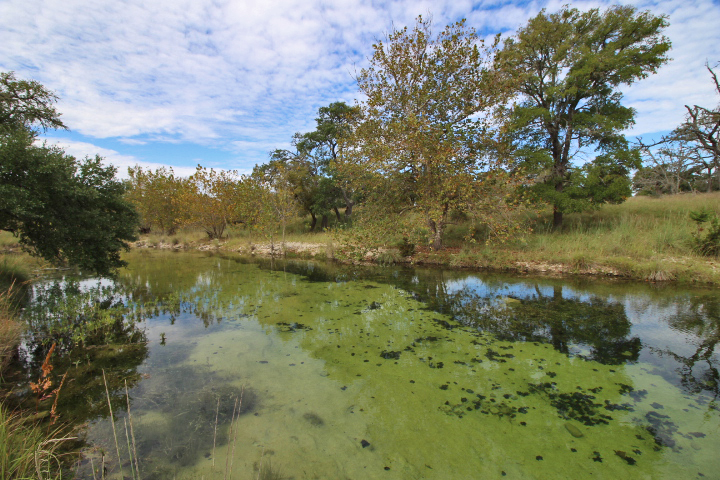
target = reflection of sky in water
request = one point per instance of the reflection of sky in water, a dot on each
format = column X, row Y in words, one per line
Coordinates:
column 670, row 329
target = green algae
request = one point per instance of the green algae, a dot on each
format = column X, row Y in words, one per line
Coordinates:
column 354, row 378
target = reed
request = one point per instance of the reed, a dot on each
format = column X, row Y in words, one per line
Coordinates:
column 132, row 431
column 232, row 424
column 26, row 451
column 217, row 412
column 112, row 422
column 10, row 328
column 232, row 455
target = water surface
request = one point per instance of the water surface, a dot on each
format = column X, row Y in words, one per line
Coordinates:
column 357, row 372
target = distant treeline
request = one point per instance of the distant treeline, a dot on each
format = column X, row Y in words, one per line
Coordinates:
column 453, row 128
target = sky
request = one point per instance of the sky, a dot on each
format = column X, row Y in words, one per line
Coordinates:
column 221, row 83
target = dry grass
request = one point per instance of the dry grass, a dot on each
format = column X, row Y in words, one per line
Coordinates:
column 10, row 328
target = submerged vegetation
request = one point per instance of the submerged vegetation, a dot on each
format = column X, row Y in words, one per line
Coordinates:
column 461, row 154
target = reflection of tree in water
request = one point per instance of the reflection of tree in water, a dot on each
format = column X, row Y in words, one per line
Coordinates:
column 699, row 317
column 93, row 328
column 596, row 323
column 600, row 325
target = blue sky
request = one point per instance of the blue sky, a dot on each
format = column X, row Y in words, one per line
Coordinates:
column 223, row 82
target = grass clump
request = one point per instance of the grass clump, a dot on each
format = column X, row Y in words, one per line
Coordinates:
column 18, row 444
column 10, row 328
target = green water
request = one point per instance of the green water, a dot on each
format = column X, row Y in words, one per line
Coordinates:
column 349, row 372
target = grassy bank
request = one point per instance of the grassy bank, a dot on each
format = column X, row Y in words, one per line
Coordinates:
column 645, row 238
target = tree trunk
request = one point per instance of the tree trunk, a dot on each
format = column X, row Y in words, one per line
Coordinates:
column 557, row 218
column 710, row 180
column 437, row 239
column 313, row 222
column 324, row 223
column 337, row 214
column 437, row 228
column 348, row 203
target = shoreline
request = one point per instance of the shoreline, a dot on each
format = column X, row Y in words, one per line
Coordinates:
column 450, row 258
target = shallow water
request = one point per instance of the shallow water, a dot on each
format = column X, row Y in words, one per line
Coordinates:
column 350, row 372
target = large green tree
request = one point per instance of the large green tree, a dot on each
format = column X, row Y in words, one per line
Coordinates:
column 421, row 141
column 566, row 69
column 311, row 166
column 62, row 209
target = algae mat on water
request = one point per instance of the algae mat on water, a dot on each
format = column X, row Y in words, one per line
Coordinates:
column 359, row 379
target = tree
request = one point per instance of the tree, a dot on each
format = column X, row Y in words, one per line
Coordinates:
column 702, row 128
column 213, row 198
column 157, row 196
column 26, row 104
column 420, row 144
column 277, row 198
column 62, row 209
column 565, row 69
column 311, row 166
column 667, row 167
column 334, row 125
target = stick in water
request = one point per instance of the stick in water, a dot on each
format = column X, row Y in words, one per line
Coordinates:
column 217, row 411
column 232, row 455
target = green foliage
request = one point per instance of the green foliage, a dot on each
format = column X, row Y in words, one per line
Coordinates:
column 566, row 69
column 701, row 216
column 26, row 104
column 422, row 142
column 62, row 209
column 157, row 197
column 310, row 170
column 406, row 248
column 706, row 240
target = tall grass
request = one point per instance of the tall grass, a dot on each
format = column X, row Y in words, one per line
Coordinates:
column 26, row 451
column 642, row 227
column 10, row 328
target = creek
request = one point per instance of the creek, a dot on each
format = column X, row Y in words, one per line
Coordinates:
column 254, row 368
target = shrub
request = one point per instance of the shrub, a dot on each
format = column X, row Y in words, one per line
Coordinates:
column 706, row 240
column 406, row 248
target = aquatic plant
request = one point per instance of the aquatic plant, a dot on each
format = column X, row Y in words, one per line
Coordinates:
column 267, row 472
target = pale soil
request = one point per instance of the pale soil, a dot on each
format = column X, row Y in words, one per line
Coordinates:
column 306, row 249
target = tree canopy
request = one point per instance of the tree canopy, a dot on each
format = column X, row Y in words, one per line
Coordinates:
column 421, row 142
column 62, row 209
column 566, row 69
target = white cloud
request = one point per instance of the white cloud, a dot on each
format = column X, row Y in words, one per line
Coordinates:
column 230, row 73
column 81, row 150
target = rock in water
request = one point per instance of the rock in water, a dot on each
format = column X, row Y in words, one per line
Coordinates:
column 574, row 431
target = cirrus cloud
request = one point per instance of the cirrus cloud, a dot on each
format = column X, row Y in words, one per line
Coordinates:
column 239, row 77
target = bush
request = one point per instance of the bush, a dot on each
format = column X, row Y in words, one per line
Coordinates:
column 406, row 248
column 706, row 241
